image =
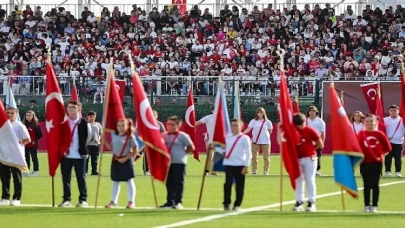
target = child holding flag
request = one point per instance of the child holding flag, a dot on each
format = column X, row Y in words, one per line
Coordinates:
column 124, row 148
column 309, row 142
column 374, row 145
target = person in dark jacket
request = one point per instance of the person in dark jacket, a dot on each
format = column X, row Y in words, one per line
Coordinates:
column 31, row 149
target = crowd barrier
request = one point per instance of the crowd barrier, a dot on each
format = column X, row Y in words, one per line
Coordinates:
column 200, row 145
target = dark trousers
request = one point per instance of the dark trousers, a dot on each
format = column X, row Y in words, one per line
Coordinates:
column 319, row 154
column 233, row 175
column 395, row 153
column 175, row 183
column 145, row 165
column 79, row 165
column 5, row 176
column 94, row 152
column 32, row 153
column 370, row 172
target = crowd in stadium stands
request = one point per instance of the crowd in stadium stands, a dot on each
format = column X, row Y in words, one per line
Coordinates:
column 238, row 44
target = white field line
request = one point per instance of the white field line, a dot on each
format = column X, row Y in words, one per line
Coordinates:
column 253, row 209
column 135, row 208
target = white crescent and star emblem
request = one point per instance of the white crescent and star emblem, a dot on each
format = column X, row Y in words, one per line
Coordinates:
column 118, row 87
column 371, row 142
column 143, row 108
column 188, row 113
column 51, row 96
column 374, row 91
column 342, row 111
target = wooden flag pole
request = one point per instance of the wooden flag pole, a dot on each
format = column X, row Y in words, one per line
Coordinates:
column 146, row 147
column 48, row 48
column 342, row 193
column 106, row 101
column 281, row 54
column 209, row 155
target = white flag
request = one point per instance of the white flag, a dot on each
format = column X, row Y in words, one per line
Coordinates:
column 10, row 101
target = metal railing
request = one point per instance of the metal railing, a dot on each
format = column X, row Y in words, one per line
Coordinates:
column 214, row 8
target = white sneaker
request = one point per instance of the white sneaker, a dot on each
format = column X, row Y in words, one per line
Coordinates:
column 236, row 208
column 318, row 173
column 367, row 209
column 298, row 206
column 147, row 173
column 15, row 203
column 82, row 204
column 311, row 207
column 398, row 174
column 373, row 209
column 387, row 174
column 65, row 204
column 266, row 173
column 25, row 174
column 178, row 206
column 254, row 173
column 4, row 202
column 34, row 174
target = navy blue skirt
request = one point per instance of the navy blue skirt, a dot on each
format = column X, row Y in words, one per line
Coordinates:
column 122, row 171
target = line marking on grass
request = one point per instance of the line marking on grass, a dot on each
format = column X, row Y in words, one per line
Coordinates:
column 253, row 209
column 135, row 208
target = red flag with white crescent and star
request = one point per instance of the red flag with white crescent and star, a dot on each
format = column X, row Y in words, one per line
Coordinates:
column 149, row 132
column 189, row 119
column 74, row 96
column 372, row 94
column 114, row 111
column 57, row 124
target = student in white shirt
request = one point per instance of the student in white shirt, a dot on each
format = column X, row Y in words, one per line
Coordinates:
column 261, row 128
column 395, row 130
column 237, row 159
column 6, row 171
column 357, row 121
column 209, row 122
column 319, row 125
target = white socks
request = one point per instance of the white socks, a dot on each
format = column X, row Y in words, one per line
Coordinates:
column 131, row 189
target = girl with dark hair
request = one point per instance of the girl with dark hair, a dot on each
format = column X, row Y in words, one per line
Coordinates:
column 31, row 149
column 124, row 148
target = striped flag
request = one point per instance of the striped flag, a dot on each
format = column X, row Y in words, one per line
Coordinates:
column 347, row 153
column 222, row 127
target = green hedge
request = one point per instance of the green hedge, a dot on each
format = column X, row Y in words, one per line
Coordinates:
column 248, row 111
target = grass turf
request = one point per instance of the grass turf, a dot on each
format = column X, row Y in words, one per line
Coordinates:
column 260, row 190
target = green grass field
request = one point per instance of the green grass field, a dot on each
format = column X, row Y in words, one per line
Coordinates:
column 260, row 191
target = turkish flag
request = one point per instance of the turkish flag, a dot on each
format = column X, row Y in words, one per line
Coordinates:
column 112, row 104
column 295, row 105
column 182, row 5
column 289, row 135
column 149, row 132
column 121, row 88
column 372, row 93
column 74, row 96
column 189, row 119
column 347, row 153
column 57, row 124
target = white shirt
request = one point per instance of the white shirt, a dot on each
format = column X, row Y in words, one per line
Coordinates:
column 209, row 123
column 318, row 124
column 74, row 146
column 357, row 127
column 395, row 137
column 241, row 154
column 21, row 132
column 264, row 137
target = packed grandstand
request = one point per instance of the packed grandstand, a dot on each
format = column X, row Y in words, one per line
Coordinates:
column 177, row 48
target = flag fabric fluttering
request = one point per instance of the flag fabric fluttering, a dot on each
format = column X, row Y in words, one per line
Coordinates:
column 114, row 110
column 237, row 113
column 372, row 94
column 11, row 151
column 189, row 119
column 74, row 96
column 57, row 124
column 10, row 100
column 222, row 128
column 289, row 135
column 347, row 153
column 402, row 105
column 149, row 132
column 295, row 105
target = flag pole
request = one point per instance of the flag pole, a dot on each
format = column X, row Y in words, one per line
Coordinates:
column 133, row 72
column 48, row 48
column 106, row 101
column 281, row 54
column 209, row 153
